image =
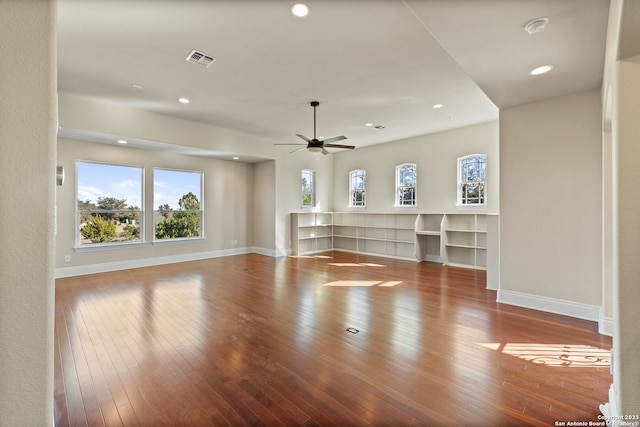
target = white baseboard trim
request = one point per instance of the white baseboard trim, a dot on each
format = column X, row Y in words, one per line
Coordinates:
column 605, row 324
column 263, row 251
column 610, row 409
column 550, row 305
column 149, row 262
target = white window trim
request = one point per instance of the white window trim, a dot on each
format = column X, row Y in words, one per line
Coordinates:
column 176, row 240
column 467, row 206
column 397, row 187
column 89, row 247
column 313, row 189
column 156, row 241
column 364, row 174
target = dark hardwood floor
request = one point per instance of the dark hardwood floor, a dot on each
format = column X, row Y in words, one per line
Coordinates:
column 255, row 340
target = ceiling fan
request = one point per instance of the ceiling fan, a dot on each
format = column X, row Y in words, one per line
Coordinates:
column 316, row 145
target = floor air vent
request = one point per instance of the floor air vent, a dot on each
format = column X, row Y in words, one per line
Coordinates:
column 200, row 58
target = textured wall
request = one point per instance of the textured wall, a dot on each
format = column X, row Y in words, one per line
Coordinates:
column 550, row 198
column 28, row 119
column 626, row 134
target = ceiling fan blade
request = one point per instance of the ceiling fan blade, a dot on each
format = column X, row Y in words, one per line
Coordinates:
column 350, row 147
column 292, row 144
column 303, row 137
column 325, row 152
column 334, row 139
column 298, row 149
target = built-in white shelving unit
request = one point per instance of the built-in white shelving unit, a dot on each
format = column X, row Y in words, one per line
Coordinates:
column 428, row 231
column 458, row 239
column 384, row 234
column 311, row 232
column 463, row 240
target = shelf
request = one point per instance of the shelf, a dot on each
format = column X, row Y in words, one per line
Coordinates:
column 383, row 234
column 428, row 233
column 464, row 240
column 311, row 232
column 456, row 239
column 451, row 245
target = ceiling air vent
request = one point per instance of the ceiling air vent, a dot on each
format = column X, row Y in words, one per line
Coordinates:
column 200, row 58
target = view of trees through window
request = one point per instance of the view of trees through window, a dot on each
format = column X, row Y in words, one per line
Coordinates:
column 177, row 195
column 357, row 182
column 109, row 203
column 406, row 179
column 308, row 188
column 472, row 177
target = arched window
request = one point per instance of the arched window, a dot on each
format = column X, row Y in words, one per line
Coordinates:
column 308, row 188
column 357, row 184
column 406, row 179
column 472, row 179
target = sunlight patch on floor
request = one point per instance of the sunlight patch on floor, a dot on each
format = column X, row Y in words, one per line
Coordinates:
column 365, row 283
column 311, row 256
column 563, row 355
column 355, row 264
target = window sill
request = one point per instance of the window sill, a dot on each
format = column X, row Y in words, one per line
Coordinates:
column 177, row 241
column 472, row 207
column 108, row 246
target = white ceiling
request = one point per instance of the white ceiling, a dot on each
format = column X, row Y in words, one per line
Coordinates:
column 380, row 61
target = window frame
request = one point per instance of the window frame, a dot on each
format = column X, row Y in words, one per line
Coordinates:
column 461, row 201
column 312, row 193
column 352, row 190
column 140, row 241
column 200, row 211
column 399, row 187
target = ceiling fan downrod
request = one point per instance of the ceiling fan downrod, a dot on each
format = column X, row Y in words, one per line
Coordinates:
column 314, row 104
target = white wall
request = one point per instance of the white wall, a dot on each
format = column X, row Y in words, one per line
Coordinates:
column 436, row 158
column 228, row 201
column 264, row 212
column 28, row 116
column 550, row 206
column 626, row 136
column 289, row 189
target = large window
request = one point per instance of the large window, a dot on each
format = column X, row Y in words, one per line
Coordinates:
column 177, row 197
column 406, row 178
column 472, row 172
column 357, row 184
column 308, row 188
column 109, row 208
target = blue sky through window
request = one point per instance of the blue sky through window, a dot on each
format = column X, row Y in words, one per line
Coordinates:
column 170, row 185
column 97, row 180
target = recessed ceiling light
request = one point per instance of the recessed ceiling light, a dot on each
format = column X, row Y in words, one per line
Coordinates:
column 536, row 25
column 121, row 141
column 300, row 10
column 541, row 70
column 236, row 158
column 436, row 106
column 368, row 124
column 184, row 100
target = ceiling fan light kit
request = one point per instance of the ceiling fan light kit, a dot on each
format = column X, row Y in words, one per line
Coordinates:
column 316, row 145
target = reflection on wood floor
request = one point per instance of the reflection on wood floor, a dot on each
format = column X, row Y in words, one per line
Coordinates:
column 256, row 340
